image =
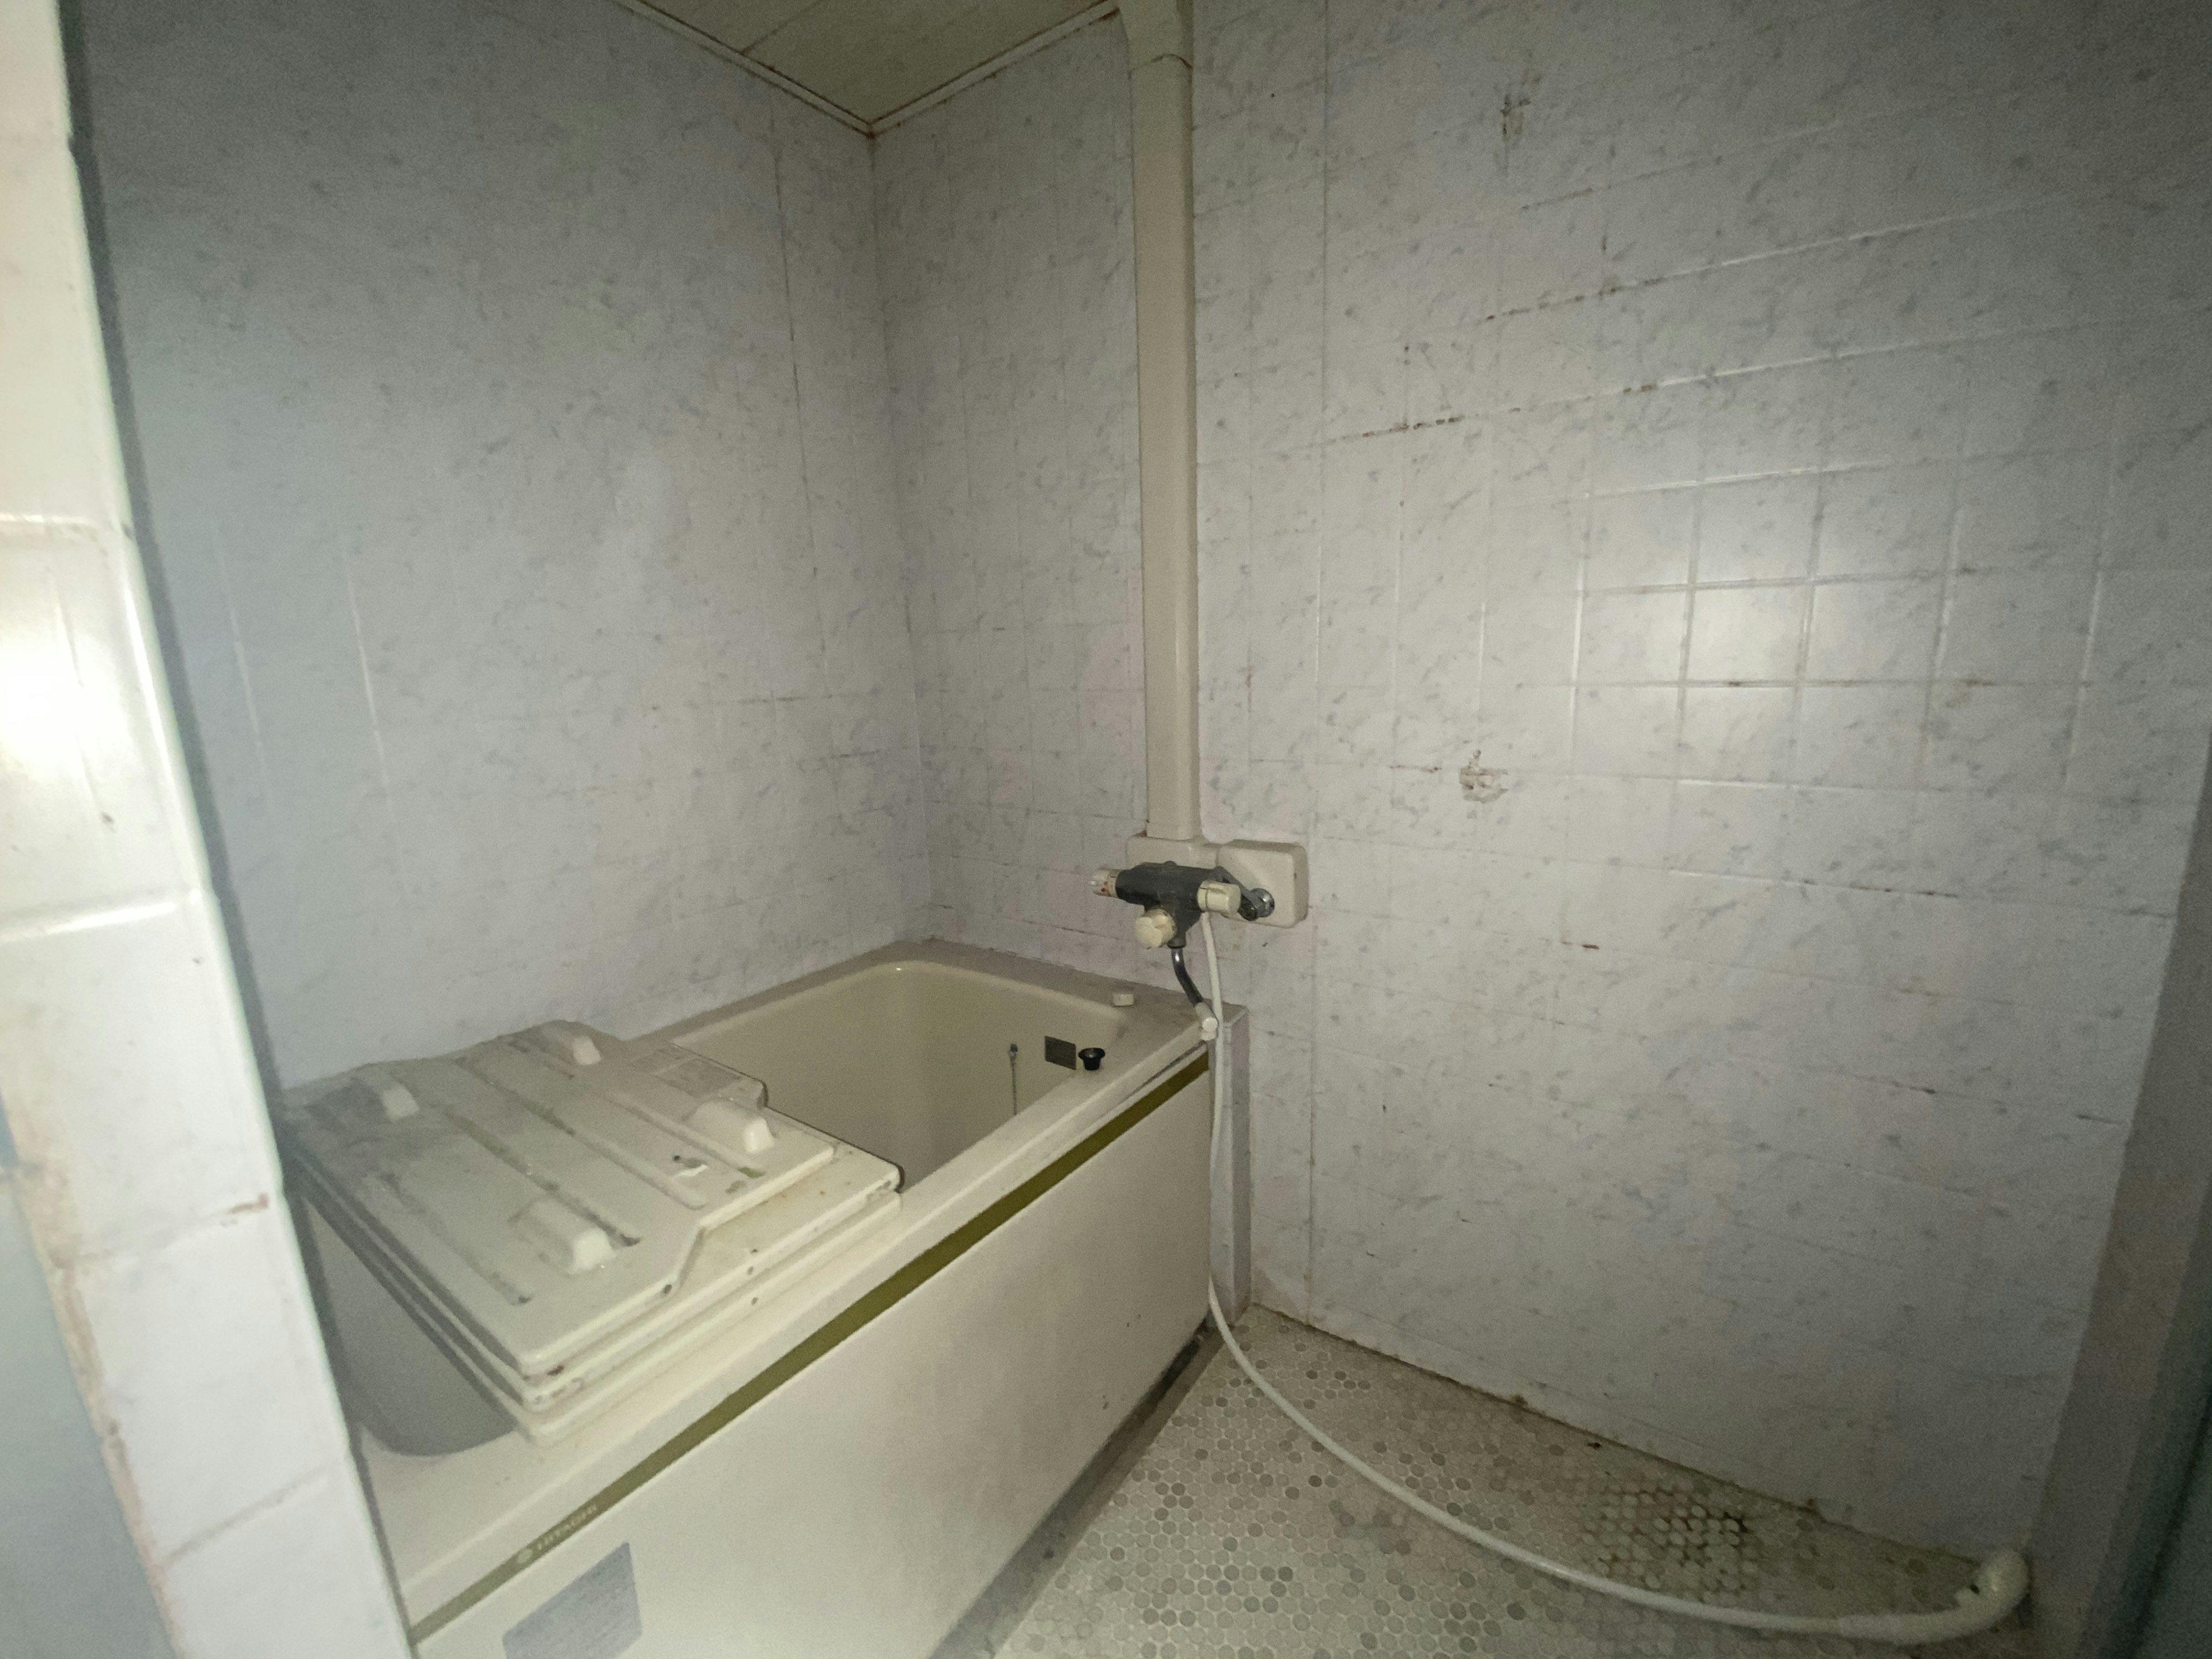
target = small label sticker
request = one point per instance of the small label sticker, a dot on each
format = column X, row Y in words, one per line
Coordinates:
column 1060, row 1052
column 595, row 1618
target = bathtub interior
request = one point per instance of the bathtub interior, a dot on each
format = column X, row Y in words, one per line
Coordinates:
column 914, row 1061
column 395, row 1382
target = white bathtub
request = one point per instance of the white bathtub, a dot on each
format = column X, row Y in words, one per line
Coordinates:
column 843, row 1470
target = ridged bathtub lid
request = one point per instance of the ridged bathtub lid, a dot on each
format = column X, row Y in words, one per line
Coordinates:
column 547, row 1189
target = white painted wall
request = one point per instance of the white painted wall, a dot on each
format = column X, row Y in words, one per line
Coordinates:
column 512, row 404
column 144, row 1163
column 1774, row 440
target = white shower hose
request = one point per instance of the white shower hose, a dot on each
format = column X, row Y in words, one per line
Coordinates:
column 1996, row 1588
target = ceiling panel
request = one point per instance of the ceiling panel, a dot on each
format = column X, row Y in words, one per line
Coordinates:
column 872, row 58
column 735, row 23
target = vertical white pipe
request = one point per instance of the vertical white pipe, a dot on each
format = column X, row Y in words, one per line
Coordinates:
column 1167, row 407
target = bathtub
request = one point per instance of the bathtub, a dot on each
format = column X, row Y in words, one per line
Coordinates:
column 845, row 1469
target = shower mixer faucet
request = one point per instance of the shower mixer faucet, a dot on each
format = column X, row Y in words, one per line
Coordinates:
column 1171, row 897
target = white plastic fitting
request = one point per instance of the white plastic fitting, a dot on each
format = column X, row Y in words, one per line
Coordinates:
column 571, row 1242
column 1154, row 928
column 730, row 1124
column 565, row 1039
column 397, row 1100
column 1221, row 898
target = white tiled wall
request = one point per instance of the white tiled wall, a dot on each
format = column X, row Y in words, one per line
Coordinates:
column 512, row 409
column 1704, row 514
column 146, row 1171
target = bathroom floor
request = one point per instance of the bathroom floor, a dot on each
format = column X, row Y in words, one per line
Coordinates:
column 1216, row 1528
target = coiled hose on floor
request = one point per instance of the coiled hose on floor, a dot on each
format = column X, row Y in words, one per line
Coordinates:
column 1996, row 1588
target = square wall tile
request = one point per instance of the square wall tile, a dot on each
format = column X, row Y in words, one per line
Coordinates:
column 1641, row 540
column 2016, row 626
column 1758, row 530
column 1631, row 636
column 1997, row 737
column 57, row 462
column 95, row 816
column 1737, row 734
column 1886, row 520
column 288, row 1579
column 1874, row 630
column 186, row 1330
column 1863, row 737
column 133, row 1136
column 2140, row 742
column 1746, row 633
column 1626, row 729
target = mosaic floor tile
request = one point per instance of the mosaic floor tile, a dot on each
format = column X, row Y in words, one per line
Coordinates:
column 1232, row 1537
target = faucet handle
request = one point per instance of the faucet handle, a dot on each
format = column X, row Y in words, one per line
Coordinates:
column 1155, row 927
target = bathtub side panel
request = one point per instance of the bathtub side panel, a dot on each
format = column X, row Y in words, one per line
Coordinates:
column 863, row 1506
